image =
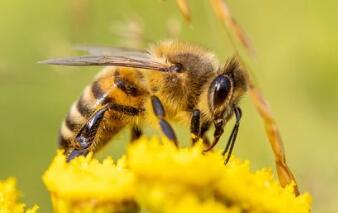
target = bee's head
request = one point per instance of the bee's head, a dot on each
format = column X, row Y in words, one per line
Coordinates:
column 226, row 89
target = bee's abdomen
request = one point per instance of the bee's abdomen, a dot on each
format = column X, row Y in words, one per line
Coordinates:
column 112, row 85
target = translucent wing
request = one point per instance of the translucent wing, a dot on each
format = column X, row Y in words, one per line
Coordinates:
column 116, row 51
column 107, row 56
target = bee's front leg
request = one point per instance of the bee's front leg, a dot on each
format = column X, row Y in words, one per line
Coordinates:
column 198, row 130
column 204, row 128
column 160, row 114
column 86, row 135
column 195, row 126
column 219, row 129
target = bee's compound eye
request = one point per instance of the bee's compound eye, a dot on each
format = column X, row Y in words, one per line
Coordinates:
column 221, row 89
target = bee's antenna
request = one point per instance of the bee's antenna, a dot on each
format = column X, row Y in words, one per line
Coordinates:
column 232, row 139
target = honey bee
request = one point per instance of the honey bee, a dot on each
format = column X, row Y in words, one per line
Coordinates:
column 173, row 81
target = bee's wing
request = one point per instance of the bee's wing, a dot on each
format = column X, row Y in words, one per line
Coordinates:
column 116, row 57
column 116, row 51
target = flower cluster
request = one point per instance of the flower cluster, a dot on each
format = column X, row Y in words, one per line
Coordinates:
column 9, row 198
column 155, row 176
column 86, row 185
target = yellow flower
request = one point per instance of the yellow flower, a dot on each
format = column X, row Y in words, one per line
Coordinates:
column 9, row 198
column 192, row 204
column 155, row 176
column 166, row 175
column 86, row 185
column 149, row 159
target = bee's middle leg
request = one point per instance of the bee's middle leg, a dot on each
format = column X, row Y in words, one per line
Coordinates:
column 86, row 135
column 136, row 132
column 160, row 114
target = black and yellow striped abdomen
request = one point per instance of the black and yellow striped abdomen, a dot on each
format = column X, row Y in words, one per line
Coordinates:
column 124, row 86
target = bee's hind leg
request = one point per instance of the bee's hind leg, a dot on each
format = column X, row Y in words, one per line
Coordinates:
column 160, row 114
column 77, row 152
column 86, row 135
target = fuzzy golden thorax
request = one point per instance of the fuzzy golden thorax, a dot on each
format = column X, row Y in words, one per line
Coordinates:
column 201, row 83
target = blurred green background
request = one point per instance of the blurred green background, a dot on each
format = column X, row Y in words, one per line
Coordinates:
column 296, row 67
